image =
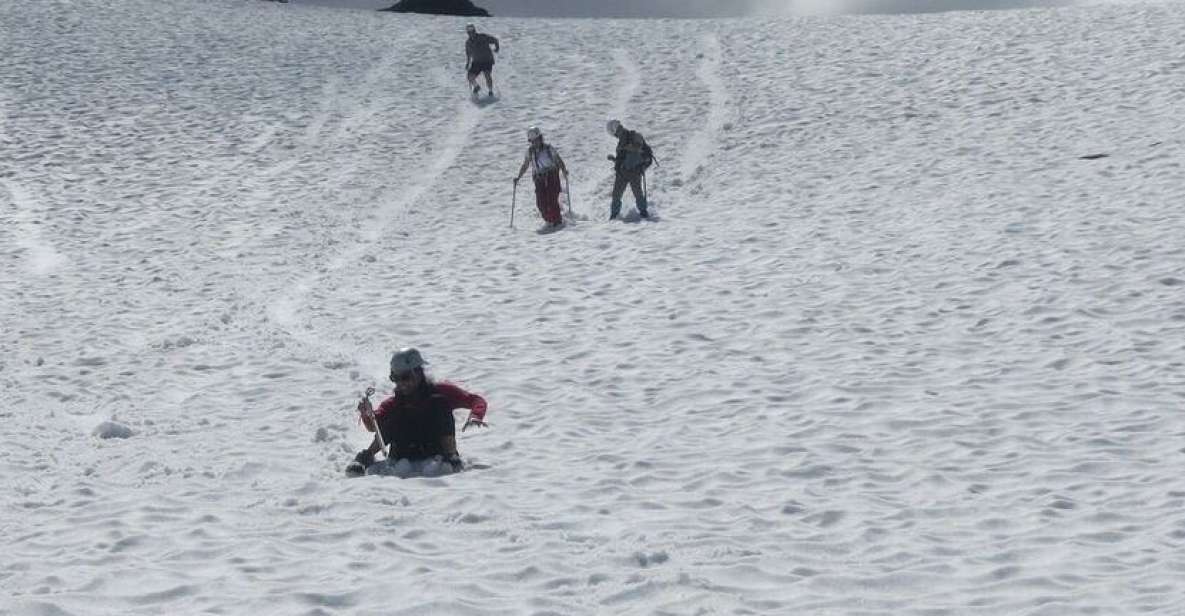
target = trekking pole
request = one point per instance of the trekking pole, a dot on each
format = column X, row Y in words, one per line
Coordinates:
column 568, row 184
column 369, row 412
column 513, row 198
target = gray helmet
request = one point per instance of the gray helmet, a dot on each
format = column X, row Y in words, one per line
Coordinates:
column 612, row 127
column 534, row 133
column 405, row 360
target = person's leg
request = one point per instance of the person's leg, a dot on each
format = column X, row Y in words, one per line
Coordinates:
column 619, row 184
column 541, row 195
column 639, row 195
column 490, row 80
column 471, row 75
column 554, row 213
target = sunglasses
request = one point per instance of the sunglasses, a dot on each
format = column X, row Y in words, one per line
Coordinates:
column 403, row 376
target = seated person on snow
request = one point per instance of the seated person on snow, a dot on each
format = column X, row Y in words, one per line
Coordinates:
column 416, row 421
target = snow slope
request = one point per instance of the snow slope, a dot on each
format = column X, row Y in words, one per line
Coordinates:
column 894, row 345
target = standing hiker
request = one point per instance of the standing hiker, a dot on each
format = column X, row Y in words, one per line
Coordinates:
column 630, row 163
column 546, row 166
column 479, row 59
column 416, row 421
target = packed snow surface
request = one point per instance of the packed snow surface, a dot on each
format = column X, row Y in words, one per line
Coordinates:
column 908, row 335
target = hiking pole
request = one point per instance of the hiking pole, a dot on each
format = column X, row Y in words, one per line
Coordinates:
column 513, row 197
column 568, row 184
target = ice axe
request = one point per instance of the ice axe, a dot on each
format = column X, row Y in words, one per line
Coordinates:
column 368, row 411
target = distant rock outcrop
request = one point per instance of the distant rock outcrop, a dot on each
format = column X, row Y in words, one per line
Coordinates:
column 438, row 7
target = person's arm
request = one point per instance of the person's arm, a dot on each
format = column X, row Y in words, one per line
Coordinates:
column 369, row 418
column 559, row 162
column 497, row 47
column 523, row 169
column 367, row 421
column 460, row 399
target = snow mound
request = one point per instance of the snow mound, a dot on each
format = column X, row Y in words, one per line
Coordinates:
column 112, row 429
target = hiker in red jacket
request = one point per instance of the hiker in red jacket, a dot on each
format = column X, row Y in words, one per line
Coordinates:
column 417, row 420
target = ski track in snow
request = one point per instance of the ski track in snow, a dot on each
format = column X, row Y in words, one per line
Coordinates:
column 630, row 79
column 701, row 144
column 627, row 83
column 904, row 351
column 41, row 258
column 390, row 208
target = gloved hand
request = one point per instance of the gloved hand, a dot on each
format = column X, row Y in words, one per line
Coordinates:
column 365, row 458
column 473, row 420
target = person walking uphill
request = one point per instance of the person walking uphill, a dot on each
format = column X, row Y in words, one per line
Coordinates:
column 546, row 166
column 630, row 163
column 479, row 59
column 417, row 420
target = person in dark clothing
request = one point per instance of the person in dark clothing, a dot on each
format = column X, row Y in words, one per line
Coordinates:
column 479, row 60
column 416, row 422
column 630, row 163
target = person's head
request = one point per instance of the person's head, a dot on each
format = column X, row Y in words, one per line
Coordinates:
column 407, row 369
column 614, row 127
column 470, row 29
column 535, row 136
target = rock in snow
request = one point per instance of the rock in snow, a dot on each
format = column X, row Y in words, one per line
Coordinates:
column 112, row 429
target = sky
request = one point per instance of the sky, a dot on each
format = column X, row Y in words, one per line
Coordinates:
column 715, row 8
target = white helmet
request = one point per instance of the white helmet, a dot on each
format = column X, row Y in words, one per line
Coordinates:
column 612, row 127
column 534, row 133
column 405, row 360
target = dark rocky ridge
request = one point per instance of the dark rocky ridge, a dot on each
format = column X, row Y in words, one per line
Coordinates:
column 438, row 7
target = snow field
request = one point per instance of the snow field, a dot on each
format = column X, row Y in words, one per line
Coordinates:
column 893, row 346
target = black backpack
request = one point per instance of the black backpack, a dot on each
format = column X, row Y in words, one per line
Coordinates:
column 636, row 158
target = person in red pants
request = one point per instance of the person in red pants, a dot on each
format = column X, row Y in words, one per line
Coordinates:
column 546, row 166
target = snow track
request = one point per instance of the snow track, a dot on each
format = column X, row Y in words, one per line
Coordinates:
column 699, row 147
column 41, row 258
column 391, row 208
column 630, row 80
column 591, row 189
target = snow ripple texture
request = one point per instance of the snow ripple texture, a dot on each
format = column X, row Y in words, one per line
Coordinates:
column 907, row 337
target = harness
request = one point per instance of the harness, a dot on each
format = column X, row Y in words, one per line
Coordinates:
column 544, row 160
